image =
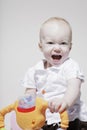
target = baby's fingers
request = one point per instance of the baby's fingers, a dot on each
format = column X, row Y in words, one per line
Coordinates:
column 63, row 107
column 53, row 106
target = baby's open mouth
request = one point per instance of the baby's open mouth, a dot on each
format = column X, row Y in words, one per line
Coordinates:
column 56, row 57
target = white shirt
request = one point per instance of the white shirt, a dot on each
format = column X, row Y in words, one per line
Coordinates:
column 53, row 81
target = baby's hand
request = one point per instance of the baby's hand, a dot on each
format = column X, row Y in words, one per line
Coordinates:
column 57, row 105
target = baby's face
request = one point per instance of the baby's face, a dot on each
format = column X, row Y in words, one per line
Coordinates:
column 55, row 42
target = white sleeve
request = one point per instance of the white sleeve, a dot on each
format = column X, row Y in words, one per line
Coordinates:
column 28, row 81
column 73, row 70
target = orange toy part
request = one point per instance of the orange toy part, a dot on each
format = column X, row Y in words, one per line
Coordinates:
column 31, row 120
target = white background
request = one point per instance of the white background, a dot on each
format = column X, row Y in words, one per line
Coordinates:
column 20, row 21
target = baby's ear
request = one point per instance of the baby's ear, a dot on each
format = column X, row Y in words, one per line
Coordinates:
column 40, row 46
column 70, row 45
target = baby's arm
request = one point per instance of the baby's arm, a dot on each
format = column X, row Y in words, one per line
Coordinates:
column 72, row 93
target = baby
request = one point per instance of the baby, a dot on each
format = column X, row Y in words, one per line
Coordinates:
column 57, row 78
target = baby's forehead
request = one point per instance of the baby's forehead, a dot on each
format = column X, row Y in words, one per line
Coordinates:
column 55, row 23
column 55, row 27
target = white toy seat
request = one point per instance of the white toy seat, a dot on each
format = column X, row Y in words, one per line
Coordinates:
column 14, row 125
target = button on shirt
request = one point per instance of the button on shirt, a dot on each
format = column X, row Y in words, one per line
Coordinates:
column 52, row 82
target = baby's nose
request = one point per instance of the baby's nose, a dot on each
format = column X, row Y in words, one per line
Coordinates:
column 57, row 48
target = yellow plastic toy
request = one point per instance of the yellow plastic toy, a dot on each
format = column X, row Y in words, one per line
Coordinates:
column 32, row 120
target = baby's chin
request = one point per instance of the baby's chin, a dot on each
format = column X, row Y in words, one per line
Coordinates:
column 54, row 63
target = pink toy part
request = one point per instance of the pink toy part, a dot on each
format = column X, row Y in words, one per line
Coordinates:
column 14, row 125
